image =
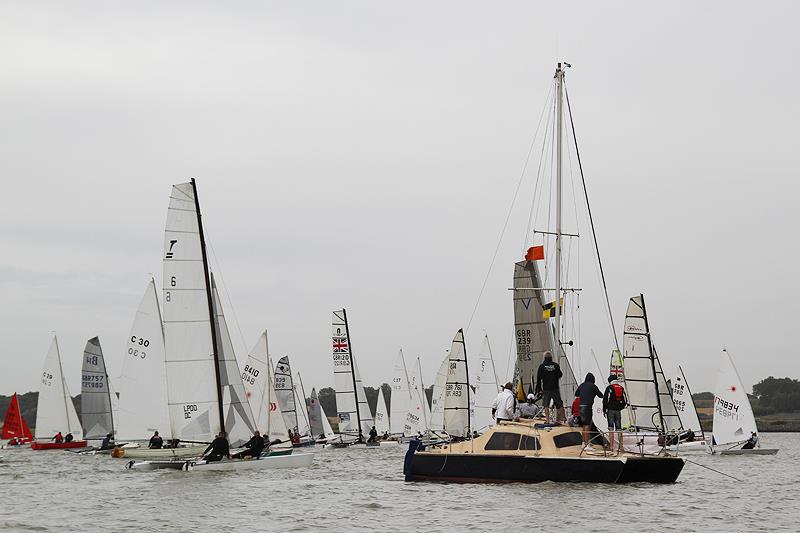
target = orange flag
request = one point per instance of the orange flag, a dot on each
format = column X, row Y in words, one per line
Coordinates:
column 535, row 253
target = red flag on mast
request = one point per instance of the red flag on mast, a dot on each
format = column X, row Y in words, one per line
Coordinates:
column 535, row 253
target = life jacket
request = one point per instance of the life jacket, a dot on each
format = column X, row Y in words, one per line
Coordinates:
column 576, row 407
column 617, row 400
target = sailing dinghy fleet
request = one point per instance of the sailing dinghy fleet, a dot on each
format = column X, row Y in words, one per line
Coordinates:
column 181, row 386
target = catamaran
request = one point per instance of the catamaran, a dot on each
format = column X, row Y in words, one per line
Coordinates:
column 205, row 391
column 355, row 420
column 15, row 429
column 531, row 450
column 735, row 431
column 55, row 412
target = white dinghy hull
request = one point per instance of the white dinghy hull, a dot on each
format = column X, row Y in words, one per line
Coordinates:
column 295, row 460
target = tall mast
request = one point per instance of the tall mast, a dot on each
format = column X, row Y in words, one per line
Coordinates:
column 353, row 372
column 424, row 395
column 559, row 126
column 211, row 315
column 303, row 403
column 466, row 373
column 653, row 364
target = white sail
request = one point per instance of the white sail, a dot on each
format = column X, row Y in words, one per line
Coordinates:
column 143, row 385
column 284, row 389
column 326, row 425
column 55, row 411
column 381, row 414
column 417, row 415
column 486, row 388
column 457, row 391
column 239, row 421
column 193, row 397
column 733, row 416
column 437, row 398
column 96, row 416
column 258, row 384
column 684, row 404
column 401, row 396
column 649, row 395
column 351, row 400
column 534, row 333
column 304, row 422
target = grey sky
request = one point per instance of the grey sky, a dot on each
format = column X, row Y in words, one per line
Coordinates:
column 363, row 154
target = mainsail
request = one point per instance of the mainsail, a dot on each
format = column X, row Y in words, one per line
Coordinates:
column 381, row 414
column 351, row 400
column 315, row 414
column 533, row 332
column 55, row 411
column 143, row 386
column 734, row 421
column 457, row 390
column 649, row 395
column 401, row 397
column 684, row 403
column 486, row 388
column 14, row 425
column 96, row 416
column 259, row 389
column 418, row 415
column 284, row 389
column 437, row 398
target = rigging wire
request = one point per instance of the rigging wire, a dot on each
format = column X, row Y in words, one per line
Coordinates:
column 508, row 217
column 591, row 220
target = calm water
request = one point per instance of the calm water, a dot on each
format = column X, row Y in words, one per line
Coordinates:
column 349, row 489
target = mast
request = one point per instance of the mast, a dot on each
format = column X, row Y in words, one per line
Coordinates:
column 559, row 126
column 63, row 388
column 211, row 315
column 653, row 364
column 424, row 395
column 466, row 372
column 303, row 404
column 353, row 372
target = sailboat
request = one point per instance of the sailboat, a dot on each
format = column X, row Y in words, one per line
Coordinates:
column 735, row 431
column 401, row 398
column 381, row 415
column 456, row 406
column 486, row 388
column 55, row 412
column 205, row 392
column 533, row 450
column 355, row 420
column 289, row 403
column 260, row 390
column 654, row 420
column 695, row 437
column 15, row 428
column 96, row 415
column 437, row 398
column 320, row 427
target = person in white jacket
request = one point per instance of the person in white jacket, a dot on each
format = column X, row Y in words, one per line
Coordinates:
column 505, row 405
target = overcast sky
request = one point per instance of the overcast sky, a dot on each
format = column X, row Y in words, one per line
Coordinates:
column 364, row 154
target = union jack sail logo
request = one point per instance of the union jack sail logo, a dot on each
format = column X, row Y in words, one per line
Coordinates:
column 340, row 345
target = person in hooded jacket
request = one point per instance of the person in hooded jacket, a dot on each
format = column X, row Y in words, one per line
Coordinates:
column 587, row 392
column 614, row 401
column 548, row 377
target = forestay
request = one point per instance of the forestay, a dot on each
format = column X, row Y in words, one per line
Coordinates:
column 401, row 397
column 733, row 417
column 239, row 421
column 684, row 404
column 191, row 383
column 96, row 416
column 457, row 392
column 648, row 394
column 486, row 388
column 55, row 411
column 143, row 386
column 381, row 414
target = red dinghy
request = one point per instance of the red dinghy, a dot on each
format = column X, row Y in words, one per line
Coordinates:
column 58, row 445
column 14, row 426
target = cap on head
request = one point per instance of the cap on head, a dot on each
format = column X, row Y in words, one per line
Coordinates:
column 531, row 397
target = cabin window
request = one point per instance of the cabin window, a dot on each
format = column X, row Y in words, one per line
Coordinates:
column 573, row 438
column 529, row 443
column 503, row 441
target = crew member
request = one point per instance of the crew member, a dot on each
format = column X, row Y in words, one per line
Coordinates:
column 505, row 404
column 548, row 377
column 254, row 447
column 373, row 435
column 614, row 401
column 218, row 449
column 68, row 437
column 529, row 409
column 59, row 438
column 108, row 442
column 587, row 391
column 156, row 442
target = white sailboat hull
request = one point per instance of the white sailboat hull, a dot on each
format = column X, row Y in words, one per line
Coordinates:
column 186, row 452
column 295, row 460
column 753, row 451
